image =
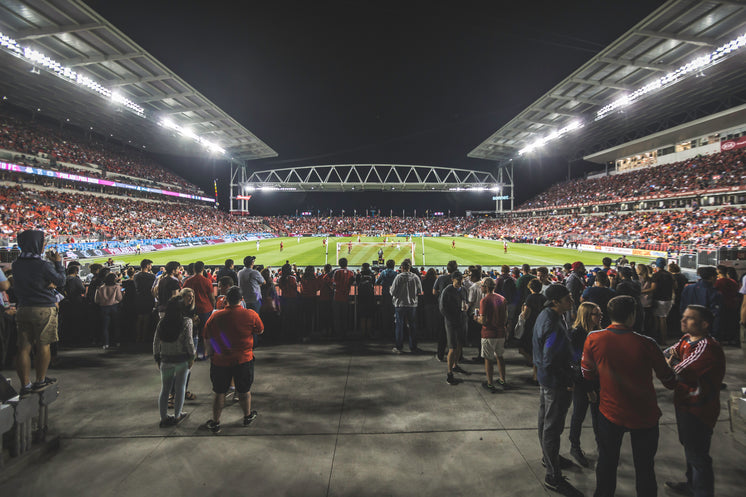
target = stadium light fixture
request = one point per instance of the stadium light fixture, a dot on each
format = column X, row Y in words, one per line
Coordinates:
column 38, row 59
column 551, row 137
column 694, row 66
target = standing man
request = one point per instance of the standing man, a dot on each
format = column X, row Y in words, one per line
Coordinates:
column 552, row 358
column 622, row 361
column 404, row 291
column 144, row 281
column 575, row 282
column 250, row 281
column 386, row 279
column 440, row 284
column 453, row 304
column 705, row 294
column 281, row 246
column 34, row 281
column 229, row 340
column 342, row 278
column 699, row 362
column 493, row 316
column 204, row 298
column 227, row 270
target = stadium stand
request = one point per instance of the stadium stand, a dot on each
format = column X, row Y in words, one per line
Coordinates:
column 701, row 174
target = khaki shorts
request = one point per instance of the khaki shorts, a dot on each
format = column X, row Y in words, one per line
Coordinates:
column 492, row 347
column 36, row 325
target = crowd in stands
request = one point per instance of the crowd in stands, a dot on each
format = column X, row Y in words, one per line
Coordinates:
column 372, row 225
column 63, row 145
column 701, row 227
column 86, row 216
column 724, row 169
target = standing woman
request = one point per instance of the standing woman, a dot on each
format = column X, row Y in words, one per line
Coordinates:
column 173, row 350
column 108, row 297
column 589, row 319
column 646, row 281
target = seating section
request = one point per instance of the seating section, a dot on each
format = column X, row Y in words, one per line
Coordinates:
column 724, row 169
column 38, row 139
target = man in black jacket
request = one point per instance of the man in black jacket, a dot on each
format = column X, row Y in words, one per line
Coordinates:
column 453, row 304
column 34, row 283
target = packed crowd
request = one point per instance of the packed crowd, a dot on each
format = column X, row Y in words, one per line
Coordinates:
column 370, row 225
column 611, row 308
column 80, row 215
column 724, row 169
column 703, row 227
column 38, row 139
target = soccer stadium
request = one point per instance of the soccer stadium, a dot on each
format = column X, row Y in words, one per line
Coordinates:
column 220, row 224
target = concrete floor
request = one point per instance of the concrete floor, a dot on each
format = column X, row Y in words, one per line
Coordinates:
column 348, row 419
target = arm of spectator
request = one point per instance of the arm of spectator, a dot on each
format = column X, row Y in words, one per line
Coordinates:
column 588, row 363
column 662, row 370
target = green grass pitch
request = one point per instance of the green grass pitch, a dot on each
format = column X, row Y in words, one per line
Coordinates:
column 310, row 251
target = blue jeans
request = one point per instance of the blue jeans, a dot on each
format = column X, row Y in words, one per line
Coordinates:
column 553, row 406
column 408, row 315
column 695, row 436
column 108, row 312
column 173, row 376
column 580, row 406
column 644, row 447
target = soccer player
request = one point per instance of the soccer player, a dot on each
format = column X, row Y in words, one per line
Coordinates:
column 453, row 244
column 505, row 246
column 349, row 248
column 281, row 246
column 257, row 245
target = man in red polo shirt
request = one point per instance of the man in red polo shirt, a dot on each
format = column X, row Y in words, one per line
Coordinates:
column 204, row 299
column 229, row 341
column 699, row 362
column 343, row 279
column 622, row 361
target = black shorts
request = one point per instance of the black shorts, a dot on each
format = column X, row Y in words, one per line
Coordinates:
column 241, row 374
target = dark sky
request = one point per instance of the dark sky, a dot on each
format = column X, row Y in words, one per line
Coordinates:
column 375, row 82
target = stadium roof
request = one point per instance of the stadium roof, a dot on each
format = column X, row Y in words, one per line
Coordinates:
column 126, row 93
column 607, row 101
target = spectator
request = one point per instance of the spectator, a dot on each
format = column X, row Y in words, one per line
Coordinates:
column 453, row 304
column 728, row 289
column 229, row 339
column 699, row 363
column 404, row 292
column 36, row 316
column 342, row 278
column 385, row 279
column 622, row 361
column 227, row 270
column 704, row 293
column 108, row 297
column 493, row 316
column 174, row 352
column 440, row 284
column 552, row 358
column 204, row 298
column 144, row 281
column 167, row 286
column 309, row 287
column 366, row 299
column 250, row 281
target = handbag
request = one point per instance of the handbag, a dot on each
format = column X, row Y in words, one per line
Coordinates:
column 520, row 327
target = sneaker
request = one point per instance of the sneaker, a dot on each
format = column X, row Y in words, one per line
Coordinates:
column 578, row 454
column 169, row 421
column 213, row 426
column 178, row 419
column 41, row 385
column 251, row 417
column 680, row 487
column 459, row 369
column 489, row 387
column 26, row 391
column 440, row 358
column 396, row 350
column 562, row 486
column 451, row 380
column 499, row 387
column 501, row 384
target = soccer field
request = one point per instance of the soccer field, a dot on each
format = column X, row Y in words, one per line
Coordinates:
column 310, row 251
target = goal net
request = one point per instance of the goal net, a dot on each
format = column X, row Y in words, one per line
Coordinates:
column 359, row 252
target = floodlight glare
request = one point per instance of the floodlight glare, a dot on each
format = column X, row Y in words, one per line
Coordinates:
column 694, row 66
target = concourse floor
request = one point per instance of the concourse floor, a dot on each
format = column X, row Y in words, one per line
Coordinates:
column 335, row 419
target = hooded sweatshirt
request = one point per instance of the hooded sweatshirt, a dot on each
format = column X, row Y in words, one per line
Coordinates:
column 32, row 275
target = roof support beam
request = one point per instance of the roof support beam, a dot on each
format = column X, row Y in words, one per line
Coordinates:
column 102, row 58
column 33, row 34
column 560, row 112
column 631, row 63
column 157, row 98
column 115, row 83
column 190, row 109
column 694, row 40
column 578, row 99
column 591, row 82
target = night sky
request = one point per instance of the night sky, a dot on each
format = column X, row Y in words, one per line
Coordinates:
column 374, row 82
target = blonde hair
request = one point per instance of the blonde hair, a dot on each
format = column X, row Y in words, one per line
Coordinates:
column 584, row 316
